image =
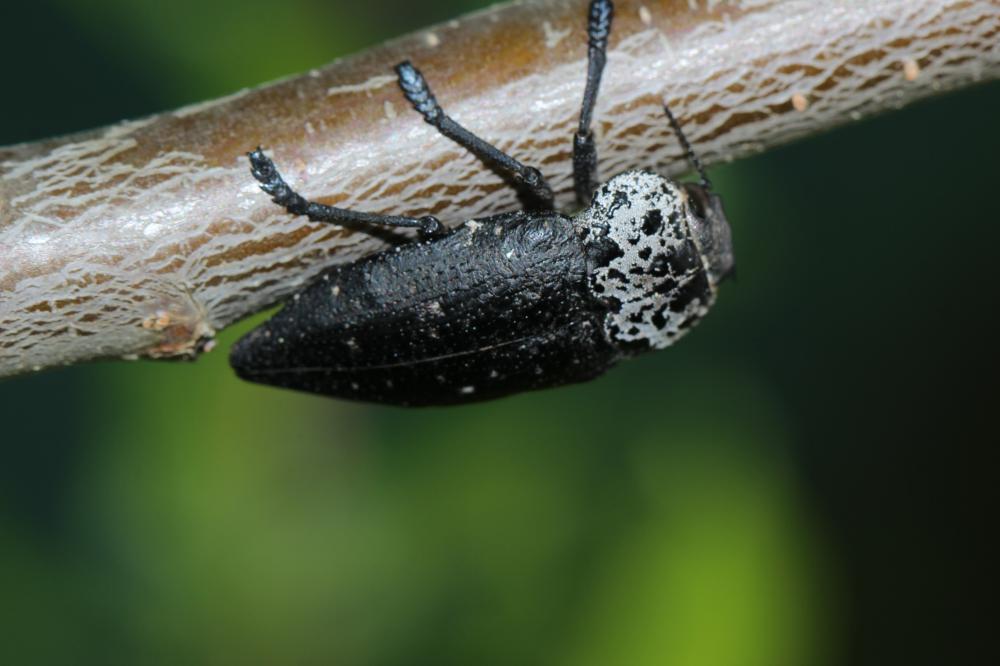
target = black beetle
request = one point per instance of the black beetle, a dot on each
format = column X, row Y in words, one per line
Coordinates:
column 507, row 303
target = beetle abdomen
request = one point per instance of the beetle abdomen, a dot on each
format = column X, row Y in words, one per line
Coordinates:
column 501, row 305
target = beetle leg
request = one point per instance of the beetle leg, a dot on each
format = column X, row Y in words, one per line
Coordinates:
column 266, row 173
column 584, row 151
column 526, row 179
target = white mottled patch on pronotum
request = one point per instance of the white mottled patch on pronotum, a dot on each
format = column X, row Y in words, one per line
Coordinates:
column 658, row 272
column 553, row 36
column 374, row 83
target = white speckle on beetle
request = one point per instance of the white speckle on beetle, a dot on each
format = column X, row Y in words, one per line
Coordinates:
column 645, row 16
column 335, row 290
column 473, row 226
column 432, row 40
column 434, row 307
column 355, row 386
column 152, row 230
column 510, row 254
column 494, row 374
column 800, row 102
column 467, row 390
column 911, row 69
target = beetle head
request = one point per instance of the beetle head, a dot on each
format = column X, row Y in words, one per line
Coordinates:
column 710, row 230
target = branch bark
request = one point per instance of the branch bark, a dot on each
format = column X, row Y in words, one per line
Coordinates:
column 144, row 238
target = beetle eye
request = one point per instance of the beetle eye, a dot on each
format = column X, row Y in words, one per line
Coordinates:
column 696, row 202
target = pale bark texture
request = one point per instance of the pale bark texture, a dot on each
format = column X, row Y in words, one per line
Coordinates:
column 144, row 238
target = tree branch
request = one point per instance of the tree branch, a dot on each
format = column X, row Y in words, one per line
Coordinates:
column 144, row 238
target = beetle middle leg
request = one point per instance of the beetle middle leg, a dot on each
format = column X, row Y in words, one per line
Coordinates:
column 266, row 173
column 584, row 151
column 526, row 179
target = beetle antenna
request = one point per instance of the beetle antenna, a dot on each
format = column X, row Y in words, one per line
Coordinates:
column 692, row 158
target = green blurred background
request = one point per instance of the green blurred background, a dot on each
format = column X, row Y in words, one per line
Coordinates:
column 804, row 480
